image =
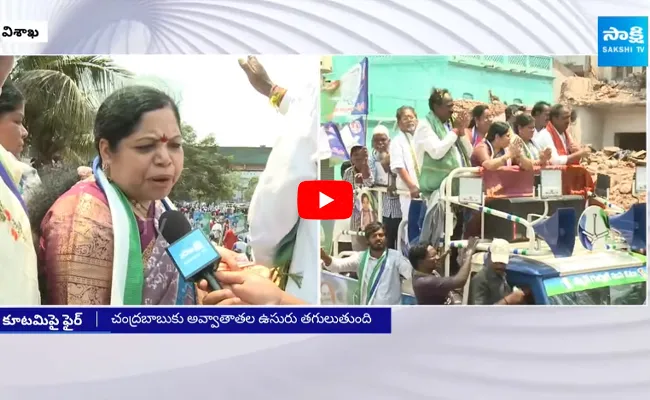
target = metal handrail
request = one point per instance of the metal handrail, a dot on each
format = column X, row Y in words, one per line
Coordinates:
column 449, row 200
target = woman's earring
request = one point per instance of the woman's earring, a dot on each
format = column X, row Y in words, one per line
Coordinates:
column 107, row 171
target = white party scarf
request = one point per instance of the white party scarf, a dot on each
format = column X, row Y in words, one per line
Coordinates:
column 18, row 265
column 120, row 219
column 273, row 214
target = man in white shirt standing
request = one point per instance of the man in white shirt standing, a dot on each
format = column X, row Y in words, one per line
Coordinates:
column 555, row 136
column 442, row 147
column 403, row 159
column 381, row 270
column 540, row 114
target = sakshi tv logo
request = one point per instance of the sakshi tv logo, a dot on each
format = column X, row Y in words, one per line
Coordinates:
column 622, row 41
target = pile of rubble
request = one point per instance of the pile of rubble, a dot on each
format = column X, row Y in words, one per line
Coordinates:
column 465, row 107
column 619, row 165
column 579, row 91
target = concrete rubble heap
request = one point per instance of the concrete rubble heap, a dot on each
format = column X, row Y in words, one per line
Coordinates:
column 497, row 109
column 620, row 166
column 579, row 91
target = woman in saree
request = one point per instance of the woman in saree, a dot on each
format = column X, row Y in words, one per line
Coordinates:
column 18, row 271
column 524, row 128
column 99, row 242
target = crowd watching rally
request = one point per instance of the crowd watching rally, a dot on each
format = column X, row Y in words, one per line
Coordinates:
column 400, row 215
column 91, row 235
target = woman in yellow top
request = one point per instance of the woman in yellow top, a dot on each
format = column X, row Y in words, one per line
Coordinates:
column 18, row 270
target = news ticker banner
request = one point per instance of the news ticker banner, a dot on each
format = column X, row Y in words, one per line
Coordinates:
column 202, row 320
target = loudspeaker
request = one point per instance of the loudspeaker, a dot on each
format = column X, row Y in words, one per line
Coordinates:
column 632, row 226
column 559, row 232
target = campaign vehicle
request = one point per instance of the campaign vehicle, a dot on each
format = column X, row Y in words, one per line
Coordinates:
column 542, row 214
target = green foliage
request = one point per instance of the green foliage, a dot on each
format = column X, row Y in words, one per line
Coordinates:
column 250, row 188
column 63, row 94
column 206, row 173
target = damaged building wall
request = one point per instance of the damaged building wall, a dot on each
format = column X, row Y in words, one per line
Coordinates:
column 599, row 126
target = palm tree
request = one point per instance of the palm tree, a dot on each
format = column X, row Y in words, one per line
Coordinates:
column 63, row 94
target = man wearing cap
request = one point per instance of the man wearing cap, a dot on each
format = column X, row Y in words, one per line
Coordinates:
column 380, row 168
column 360, row 176
column 489, row 286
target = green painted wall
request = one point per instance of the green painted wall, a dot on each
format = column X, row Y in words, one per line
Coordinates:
column 394, row 81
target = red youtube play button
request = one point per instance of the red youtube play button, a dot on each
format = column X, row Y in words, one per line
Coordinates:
column 325, row 200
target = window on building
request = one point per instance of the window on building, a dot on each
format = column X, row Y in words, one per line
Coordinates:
column 635, row 141
column 468, row 96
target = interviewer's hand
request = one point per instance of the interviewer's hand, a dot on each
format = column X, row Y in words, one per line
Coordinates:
column 228, row 262
column 242, row 288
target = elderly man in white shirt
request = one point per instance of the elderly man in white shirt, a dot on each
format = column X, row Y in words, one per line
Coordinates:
column 381, row 270
column 556, row 137
column 403, row 159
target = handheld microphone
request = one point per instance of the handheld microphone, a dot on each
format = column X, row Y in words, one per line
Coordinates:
column 189, row 249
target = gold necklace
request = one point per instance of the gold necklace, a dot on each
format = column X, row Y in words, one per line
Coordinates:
column 139, row 209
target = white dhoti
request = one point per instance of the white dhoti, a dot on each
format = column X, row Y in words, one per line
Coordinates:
column 405, row 204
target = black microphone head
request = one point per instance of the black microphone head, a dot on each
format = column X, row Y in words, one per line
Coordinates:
column 173, row 225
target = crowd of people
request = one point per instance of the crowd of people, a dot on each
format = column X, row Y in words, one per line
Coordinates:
column 412, row 167
column 67, row 239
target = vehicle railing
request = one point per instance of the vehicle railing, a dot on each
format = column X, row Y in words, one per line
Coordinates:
column 605, row 202
column 534, row 245
column 449, row 215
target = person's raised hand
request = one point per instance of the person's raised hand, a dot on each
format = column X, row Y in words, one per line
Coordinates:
column 257, row 75
column 472, row 242
column 514, row 151
column 460, row 122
